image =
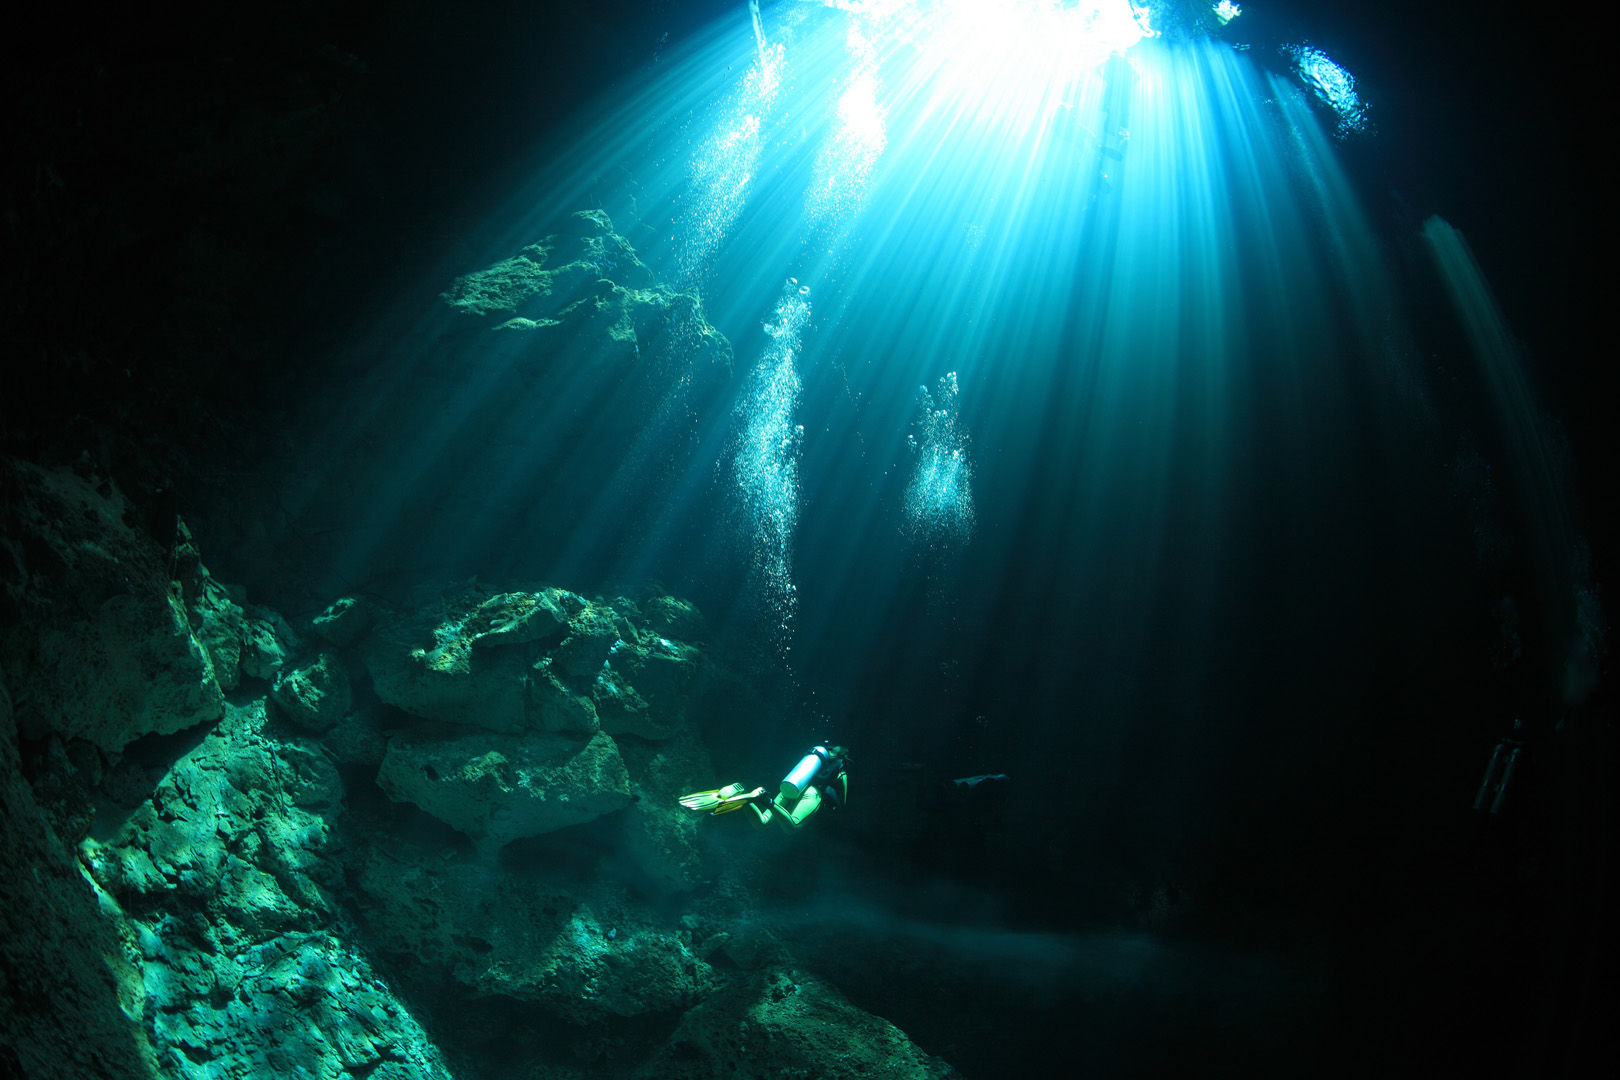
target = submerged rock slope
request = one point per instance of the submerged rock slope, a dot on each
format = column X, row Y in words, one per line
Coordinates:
column 426, row 840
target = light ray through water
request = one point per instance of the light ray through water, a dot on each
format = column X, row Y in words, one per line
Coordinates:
column 1139, row 259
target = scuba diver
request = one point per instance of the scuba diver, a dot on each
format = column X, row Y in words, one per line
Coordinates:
column 819, row 778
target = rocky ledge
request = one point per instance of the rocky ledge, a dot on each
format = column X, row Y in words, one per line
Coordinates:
column 417, row 840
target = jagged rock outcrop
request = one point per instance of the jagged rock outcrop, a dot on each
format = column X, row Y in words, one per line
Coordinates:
column 497, row 788
column 193, row 895
column 223, row 887
column 108, row 648
column 112, row 621
column 784, row 1022
column 544, row 930
column 315, row 694
column 527, row 688
column 546, row 660
column 71, row 1002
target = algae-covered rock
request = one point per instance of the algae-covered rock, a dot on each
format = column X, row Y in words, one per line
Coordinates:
column 315, row 694
column 466, row 658
column 642, row 689
column 589, row 969
column 219, row 625
column 238, row 824
column 343, row 621
column 673, row 617
column 571, row 946
column 543, row 660
column 268, row 643
column 498, row 788
column 449, row 681
column 558, row 706
column 304, row 1005
column 517, row 618
column 70, row 1001
column 785, row 1022
column 356, row 739
column 224, row 888
column 99, row 641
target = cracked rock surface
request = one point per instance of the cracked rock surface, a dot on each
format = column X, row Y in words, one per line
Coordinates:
column 439, row 839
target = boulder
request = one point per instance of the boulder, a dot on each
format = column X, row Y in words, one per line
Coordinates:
column 466, row 658
column 496, row 788
column 784, row 1022
column 519, row 930
column 559, row 707
column 641, row 689
column 268, row 643
column 673, row 617
column 343, row 621
column 315, row 694
column 547, row 660
column 356, row 739
column 517, row 618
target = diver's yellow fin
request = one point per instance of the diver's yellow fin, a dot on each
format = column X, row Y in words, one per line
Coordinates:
column 704, row 800
column 738, row 801
column 721, row 800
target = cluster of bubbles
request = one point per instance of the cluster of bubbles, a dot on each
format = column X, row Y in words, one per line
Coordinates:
column 765, row 455
column 939, row 499
column 1332, row 85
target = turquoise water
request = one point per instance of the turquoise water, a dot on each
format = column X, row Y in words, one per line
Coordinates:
column 1025, row 401
column 1162, row 447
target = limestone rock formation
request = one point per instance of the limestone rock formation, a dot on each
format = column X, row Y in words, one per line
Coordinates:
column 659, row 837
column 785, row 1022
column 101, row 632
column 222, row 886
column 344, row 620
column 71, row 1003
column 207, row 887
column 496, row 788
column 527, row 931
column 314, row 694
column 546, row 660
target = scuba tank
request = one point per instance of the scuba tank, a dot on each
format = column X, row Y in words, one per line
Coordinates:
column 794, row 783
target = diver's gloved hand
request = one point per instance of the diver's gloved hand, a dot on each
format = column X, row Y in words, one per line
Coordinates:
column 738, row 799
